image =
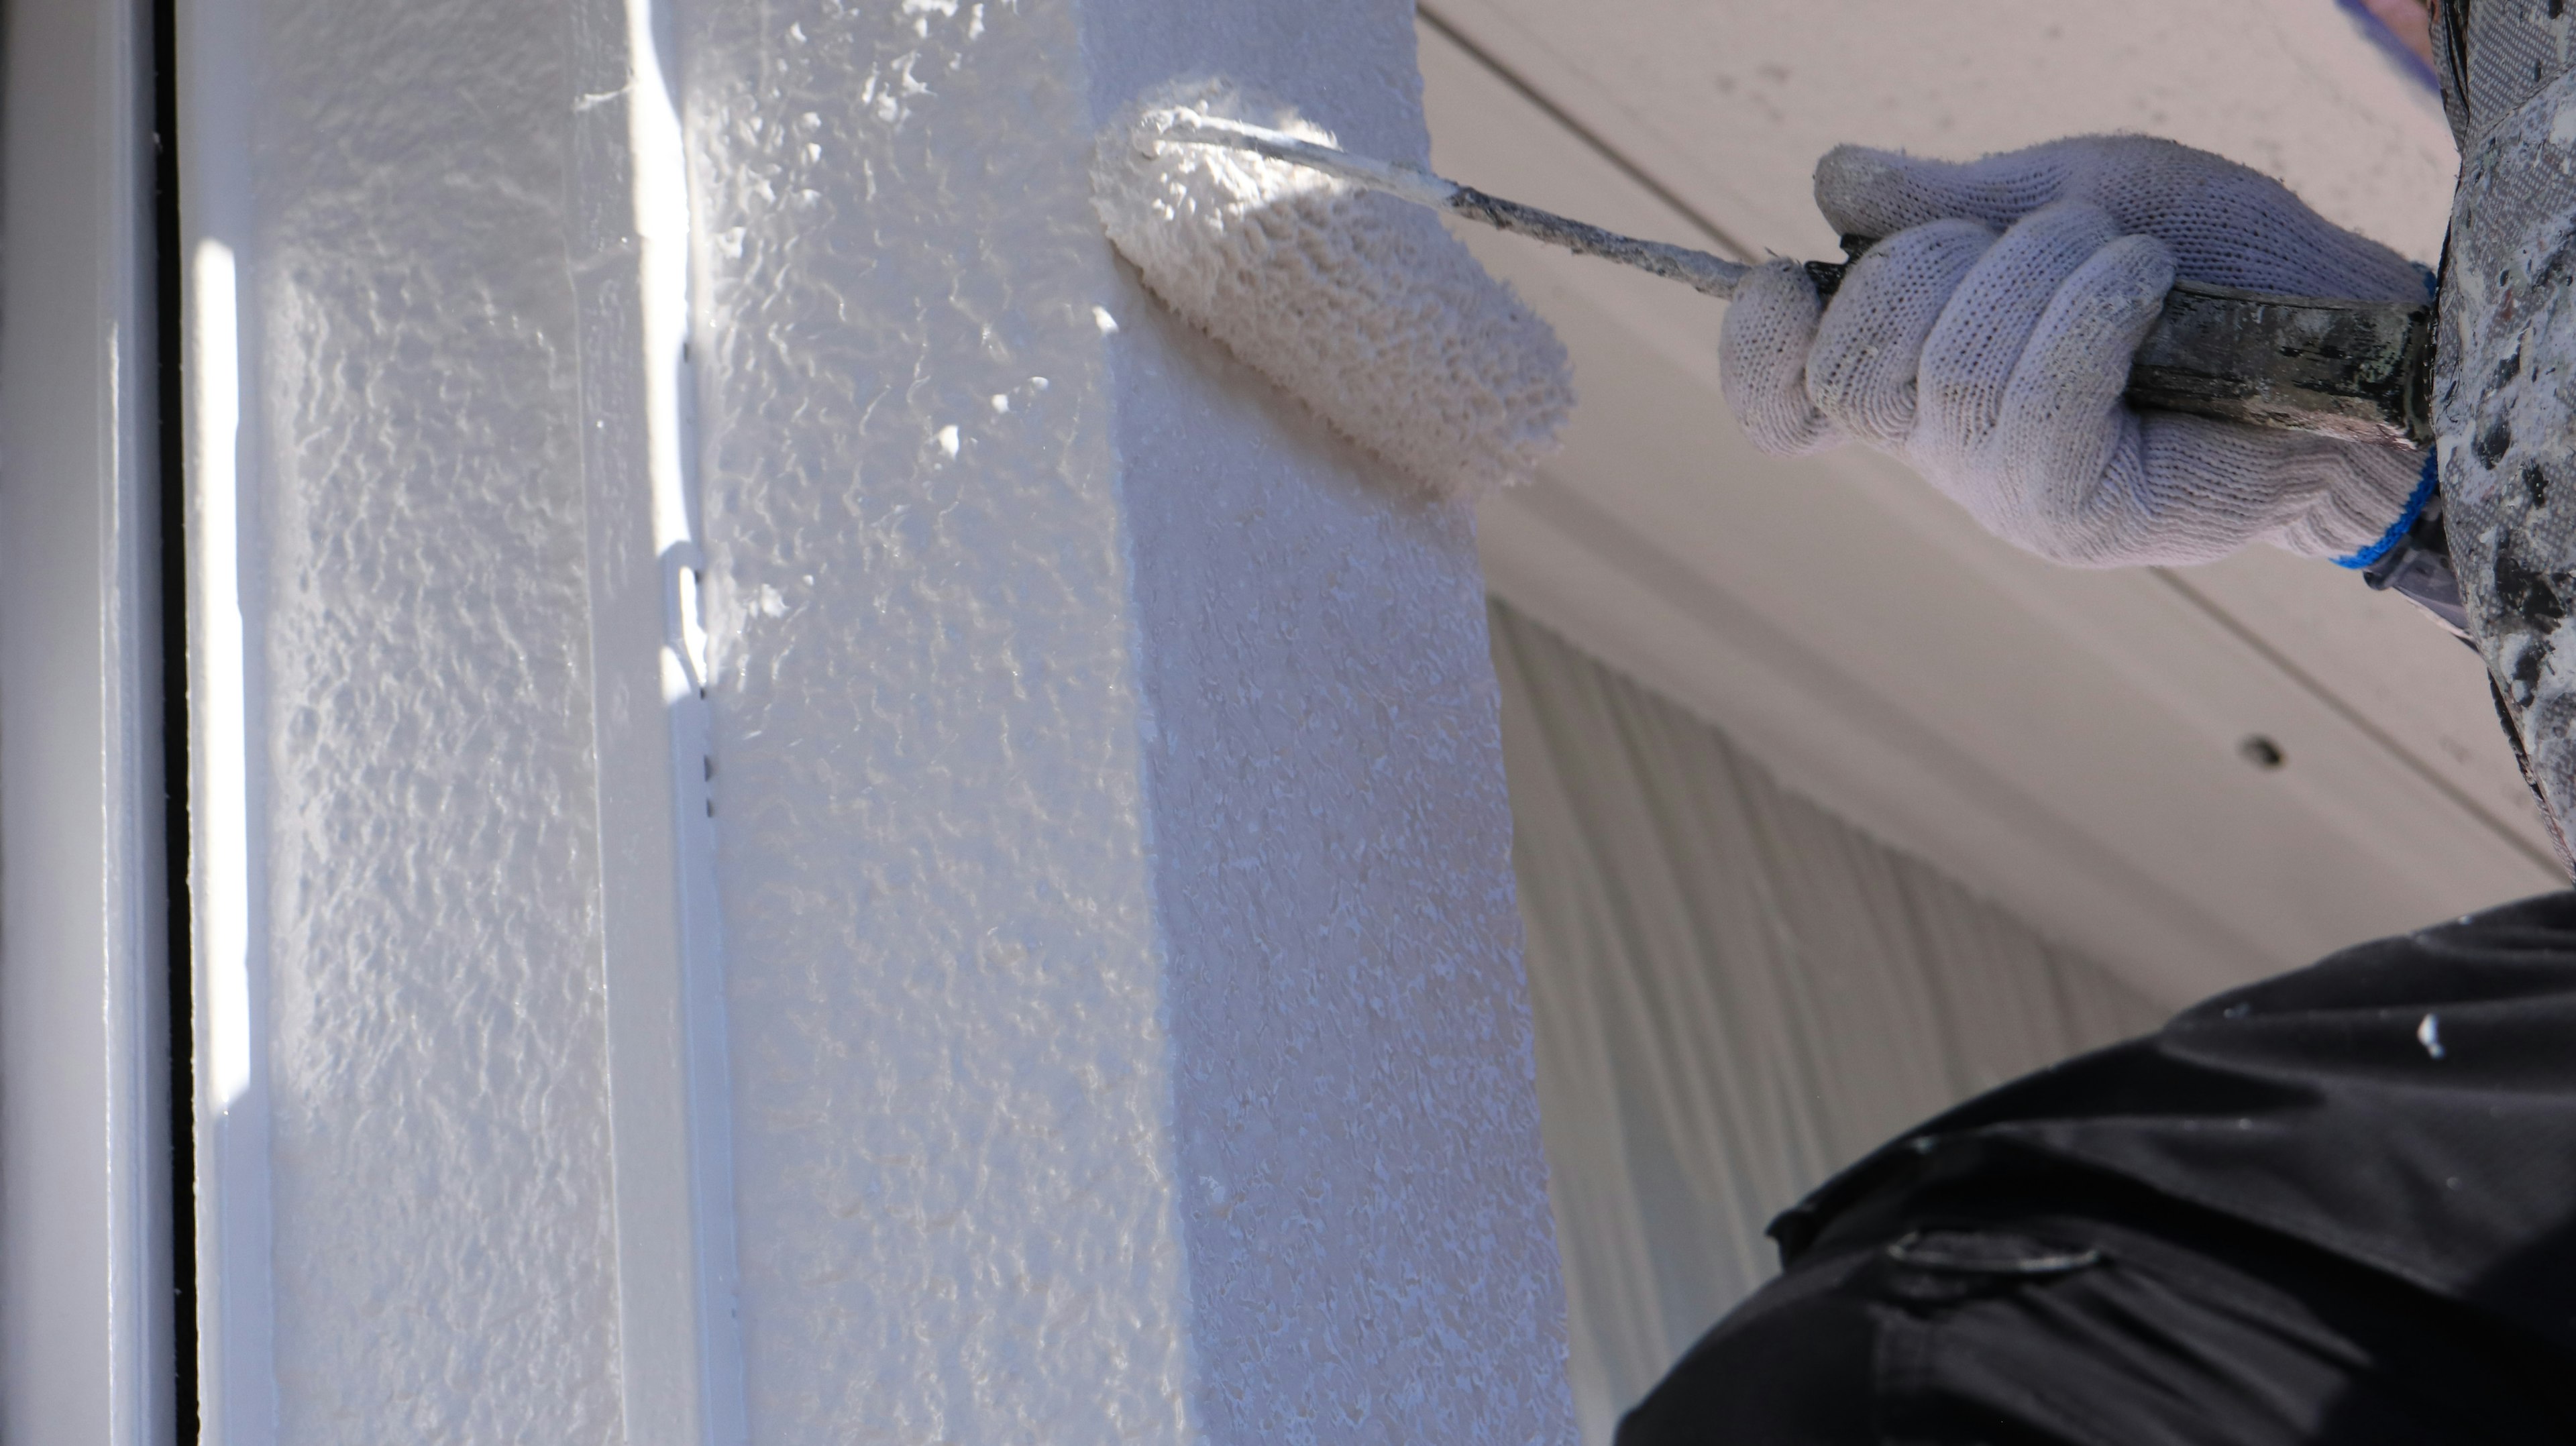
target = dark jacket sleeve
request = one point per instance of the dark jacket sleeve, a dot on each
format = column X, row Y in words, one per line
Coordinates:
column 2409, row 1104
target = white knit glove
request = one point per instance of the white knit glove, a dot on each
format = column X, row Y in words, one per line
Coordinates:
column 1986, row 340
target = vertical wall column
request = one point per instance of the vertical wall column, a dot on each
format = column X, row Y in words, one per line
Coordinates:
column 460, row 1071
column 1128, row 1034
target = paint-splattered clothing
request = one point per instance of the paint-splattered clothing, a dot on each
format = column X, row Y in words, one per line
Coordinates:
column 2336, row 1206
column 2505, row 385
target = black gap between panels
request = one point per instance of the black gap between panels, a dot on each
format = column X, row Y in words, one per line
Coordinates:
column 170, row 440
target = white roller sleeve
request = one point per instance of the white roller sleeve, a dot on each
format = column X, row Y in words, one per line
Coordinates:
column 1359, row 305
column 1986, row 340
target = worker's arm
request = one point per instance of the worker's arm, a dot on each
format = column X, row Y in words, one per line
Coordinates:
column 1986, row 340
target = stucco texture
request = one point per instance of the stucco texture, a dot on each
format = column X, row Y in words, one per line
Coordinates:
column 1371, row 1253
column 952, row 1189
column 1127, row 1031
column 442, row 1235
column 1126, row 1027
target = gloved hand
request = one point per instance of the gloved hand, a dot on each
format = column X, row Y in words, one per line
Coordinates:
column 1986, row 340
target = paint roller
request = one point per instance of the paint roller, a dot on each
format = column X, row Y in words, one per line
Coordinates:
column 1253, row 230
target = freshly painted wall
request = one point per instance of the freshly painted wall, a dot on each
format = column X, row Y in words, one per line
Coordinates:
column 413, row 563
column 1129, row 1035
column 1092, row 1010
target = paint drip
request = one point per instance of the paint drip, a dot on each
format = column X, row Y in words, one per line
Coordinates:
column 1364, row 308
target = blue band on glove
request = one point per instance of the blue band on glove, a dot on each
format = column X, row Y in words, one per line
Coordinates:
column 2396, row 532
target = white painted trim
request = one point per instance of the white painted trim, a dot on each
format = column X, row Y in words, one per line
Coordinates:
column 237, row 1376
column 86, row 1338
column 680, row 1352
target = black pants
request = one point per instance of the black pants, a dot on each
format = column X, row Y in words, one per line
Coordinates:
column 2337, row 1208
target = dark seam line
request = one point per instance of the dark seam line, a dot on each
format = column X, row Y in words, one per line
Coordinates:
column 179, row 955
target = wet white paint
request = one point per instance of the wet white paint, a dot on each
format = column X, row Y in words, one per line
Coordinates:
column 423, row 883
column 1129, row 1035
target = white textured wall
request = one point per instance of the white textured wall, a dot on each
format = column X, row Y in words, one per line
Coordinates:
column 1121, row 978
column 953, row 1191
column 413, row 550
column 1128, row 1030
column 1371, row 1257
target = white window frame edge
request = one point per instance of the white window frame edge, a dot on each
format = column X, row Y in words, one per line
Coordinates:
column 86, row 1290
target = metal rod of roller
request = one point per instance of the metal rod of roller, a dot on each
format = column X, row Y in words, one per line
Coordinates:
column 1714, row 275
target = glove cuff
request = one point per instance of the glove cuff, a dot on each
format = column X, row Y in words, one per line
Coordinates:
column 2348, row 503
column 2425, row 484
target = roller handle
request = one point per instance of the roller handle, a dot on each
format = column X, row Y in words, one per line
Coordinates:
column 2352, row 369
column 2360, row 370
